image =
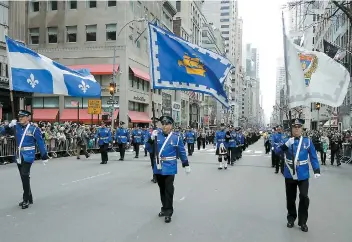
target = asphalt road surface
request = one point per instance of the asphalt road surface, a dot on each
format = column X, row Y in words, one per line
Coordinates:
column 81, row 200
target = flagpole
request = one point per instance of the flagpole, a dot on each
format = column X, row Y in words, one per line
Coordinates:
column 158, row 165
column 286, row 72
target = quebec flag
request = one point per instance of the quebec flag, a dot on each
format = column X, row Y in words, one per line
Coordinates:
column 33, row 72
column 179, row 65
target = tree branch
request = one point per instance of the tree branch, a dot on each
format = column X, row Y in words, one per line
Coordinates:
column 343, row 8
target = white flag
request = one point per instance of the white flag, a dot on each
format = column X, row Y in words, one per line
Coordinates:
column 314, row 77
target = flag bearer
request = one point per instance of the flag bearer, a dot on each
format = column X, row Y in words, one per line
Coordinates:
column 28, row 137
column 296, row 172
column 137, row 140
column 190, row 136
column 104, row 136
column 220, row 144
column 168, row 145
column 122, row 137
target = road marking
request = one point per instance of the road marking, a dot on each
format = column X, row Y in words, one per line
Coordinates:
column 182, row 198
column 87, row 178
column 258, row 152
column 247, row 151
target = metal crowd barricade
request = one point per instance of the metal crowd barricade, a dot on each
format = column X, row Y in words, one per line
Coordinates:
column 7, row 147
column 346, row 153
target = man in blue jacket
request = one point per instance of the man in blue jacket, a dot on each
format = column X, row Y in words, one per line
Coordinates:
column 28, row 137
column 122, row 137
column 277, row 140
column 105, row 137
column 169, row 145
column 299, row 150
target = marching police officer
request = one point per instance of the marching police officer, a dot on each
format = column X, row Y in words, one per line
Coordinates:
column 104, row 136
column 190, row 136
column 168, row 146
column 137, row 139
column 278, row 141
column 28, row 137
column 296, row 172
column 221, row 144
column 231, row 147
column 122, row 137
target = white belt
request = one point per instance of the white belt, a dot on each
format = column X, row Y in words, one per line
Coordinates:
column 231, row 140
column 28, row 148
column 168, row 158
column 221, row 140
column 104, row 137
column 300, row 163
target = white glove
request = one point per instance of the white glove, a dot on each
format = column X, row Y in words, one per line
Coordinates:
column 154, row 134
column 114, row 142
column 44, row 162
column 272, row 148
column 13, row 123
column 316, row 175
column 188, row 169
column 290, row 142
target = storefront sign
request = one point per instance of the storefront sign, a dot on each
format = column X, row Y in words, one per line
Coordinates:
column 142, row 99
column 166, row 104
column 176, row 112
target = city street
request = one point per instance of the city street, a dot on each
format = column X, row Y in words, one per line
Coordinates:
column 81, row 200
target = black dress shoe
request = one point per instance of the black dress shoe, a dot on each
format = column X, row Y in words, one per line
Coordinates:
column 153, row 180
column 290, row 224
column 120, row 159
column 30, row 202
column 304, row 228
column 161, row 214
column 167, row 219
column 102, row 162
column 25, row 204
column 276, row 172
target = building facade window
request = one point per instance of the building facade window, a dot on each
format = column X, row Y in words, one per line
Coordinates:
column 225, row 14
column 70, row 102
column 52, row 35
column 225, row 26
column 110, row 32
column 92, row 4
column 71, row 34
column 134, row 106
column 35, row 6
column 224, row 7
column 52, row 5
column 225, row 20
column 91, row 33
column 45, row 102
column 112, row 3
column 72, row 4
column 34, row 36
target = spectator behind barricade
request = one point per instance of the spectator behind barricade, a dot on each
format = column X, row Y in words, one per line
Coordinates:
column 82, row 141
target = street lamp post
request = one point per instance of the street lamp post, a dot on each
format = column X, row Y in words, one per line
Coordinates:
column 114, row 71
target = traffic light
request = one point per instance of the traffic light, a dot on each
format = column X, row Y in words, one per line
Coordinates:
column 317, row 106
column 112, row 89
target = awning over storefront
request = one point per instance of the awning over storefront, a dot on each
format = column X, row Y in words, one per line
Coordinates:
column 139, row 117
column 72, row 115
column 96, row 69
column 43, row 114
column 140, row 74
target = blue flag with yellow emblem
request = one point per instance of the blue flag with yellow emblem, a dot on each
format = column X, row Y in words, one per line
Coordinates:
column 180, row 65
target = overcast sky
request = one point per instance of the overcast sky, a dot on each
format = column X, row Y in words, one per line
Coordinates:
column 262, row 27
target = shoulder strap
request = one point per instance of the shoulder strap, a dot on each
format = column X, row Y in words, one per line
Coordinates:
column 163, row 146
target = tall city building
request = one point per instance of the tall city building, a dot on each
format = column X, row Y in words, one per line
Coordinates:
column 4, row 27
column 83, row 34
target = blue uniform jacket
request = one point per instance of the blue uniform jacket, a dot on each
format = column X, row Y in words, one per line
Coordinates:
column 190, row 137
column 122, row 136
column 32, row 138
column 104, row 135
column 300, row 170
column 137, row 136
column 220, row 138
column 240, row 138
column 173, row 149
column 277, row 140
column 232, row 140
column 145, row 136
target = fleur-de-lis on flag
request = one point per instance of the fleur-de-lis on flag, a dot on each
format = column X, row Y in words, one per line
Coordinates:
column 31, row 81
column 83, row 86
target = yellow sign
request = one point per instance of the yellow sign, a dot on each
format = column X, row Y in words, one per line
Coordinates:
column 94, row 106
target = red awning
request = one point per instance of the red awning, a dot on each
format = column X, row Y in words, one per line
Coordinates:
column 72, row 115
column 43, row 114
column 140, row 74
column 139, row 117
column 96, row 69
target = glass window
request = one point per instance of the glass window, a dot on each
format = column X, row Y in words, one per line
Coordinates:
column 225, row 26
column 52, row 35
column 112, row 3
column 35, row 6
column 51, row 102
column 224, row 7
column 37, row 102
column 178, row 6
column 225, row 20
column 92, row 4
column 91, row 32
column 225, row 14
column 130, row 106
column 72, row 5
column 71, row 34
column 70, row 102
column 34, row 36
column 52, row 5
column 110, row 32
